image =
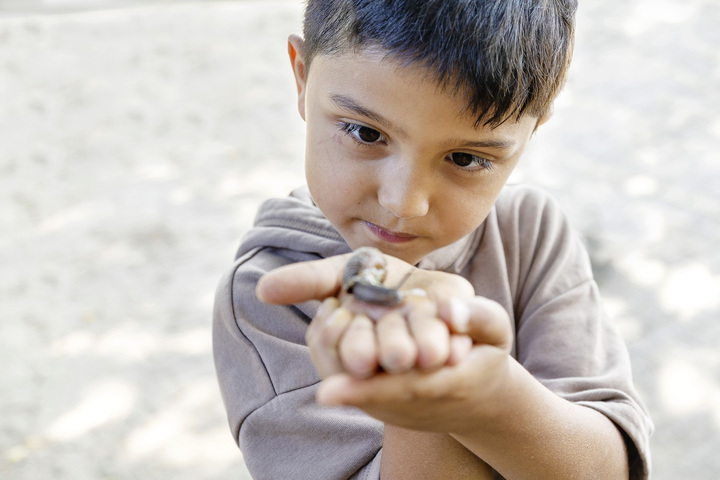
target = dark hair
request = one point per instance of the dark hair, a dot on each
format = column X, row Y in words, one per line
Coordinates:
column 509, row 57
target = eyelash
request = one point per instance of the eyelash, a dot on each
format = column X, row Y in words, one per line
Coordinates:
column 481, row 163
column 352, row 129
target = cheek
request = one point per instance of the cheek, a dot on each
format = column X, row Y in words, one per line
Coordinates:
column 319, row 164
column 323, row 151
column 334, row 186
column 465, row 214
column 463, row 222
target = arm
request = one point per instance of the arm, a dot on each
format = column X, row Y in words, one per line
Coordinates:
column 536, row 434
column 491, row 405
column 411, row 454
column 268, row 385
column 496, row 409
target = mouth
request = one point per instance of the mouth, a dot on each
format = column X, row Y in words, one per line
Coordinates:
column 390, row 236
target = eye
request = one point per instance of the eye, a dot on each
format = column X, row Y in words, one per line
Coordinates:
column 467, row 161
column 362, row 134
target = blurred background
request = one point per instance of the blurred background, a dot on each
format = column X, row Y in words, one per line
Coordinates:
column 137, row 138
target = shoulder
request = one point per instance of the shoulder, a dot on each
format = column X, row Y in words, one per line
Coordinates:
column 540, row 247
column 527, row 205
column 530, row 219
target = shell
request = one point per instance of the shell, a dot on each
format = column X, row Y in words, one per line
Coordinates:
column 364, row 275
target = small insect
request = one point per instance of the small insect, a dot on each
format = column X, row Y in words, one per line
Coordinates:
column 364, row 275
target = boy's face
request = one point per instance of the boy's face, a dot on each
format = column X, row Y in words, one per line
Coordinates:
column 391, row 160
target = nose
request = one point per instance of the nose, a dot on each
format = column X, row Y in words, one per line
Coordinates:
column 404, row 189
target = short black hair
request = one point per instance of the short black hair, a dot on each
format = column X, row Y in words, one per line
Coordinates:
column 508, row 57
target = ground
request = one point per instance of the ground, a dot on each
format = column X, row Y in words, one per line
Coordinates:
column 138, row 138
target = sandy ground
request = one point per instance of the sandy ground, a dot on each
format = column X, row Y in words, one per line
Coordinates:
column 136, row 143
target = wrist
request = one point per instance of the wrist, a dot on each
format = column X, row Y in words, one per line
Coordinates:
column 500, row 402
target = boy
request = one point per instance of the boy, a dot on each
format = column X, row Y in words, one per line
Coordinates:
column 416, row 114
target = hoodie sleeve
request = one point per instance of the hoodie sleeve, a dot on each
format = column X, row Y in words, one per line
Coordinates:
column 268, row 384
column 564, row 337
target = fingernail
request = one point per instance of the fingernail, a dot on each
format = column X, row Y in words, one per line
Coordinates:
column 327, row 306
column 460, row 315
column 395, row 363
column 340, row 316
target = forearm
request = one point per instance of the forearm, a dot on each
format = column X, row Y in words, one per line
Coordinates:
column 533, row 433
column 410, row 454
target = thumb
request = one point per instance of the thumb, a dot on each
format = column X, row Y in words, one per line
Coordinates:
column 299, row 282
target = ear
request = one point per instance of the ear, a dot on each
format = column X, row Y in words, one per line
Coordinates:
column 295, row 48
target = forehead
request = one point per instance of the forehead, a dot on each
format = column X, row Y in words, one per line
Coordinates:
column 406, row 93
column 376, row 73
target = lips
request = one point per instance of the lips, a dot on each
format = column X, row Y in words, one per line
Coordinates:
column 390, row 236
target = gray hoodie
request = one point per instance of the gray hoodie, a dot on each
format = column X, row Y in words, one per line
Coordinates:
column 524, row 256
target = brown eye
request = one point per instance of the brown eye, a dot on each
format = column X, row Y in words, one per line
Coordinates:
column 467, row 161
column 463, row 159
column 368, row 135
column 362, row 134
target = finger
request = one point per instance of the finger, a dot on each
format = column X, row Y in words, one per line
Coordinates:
column 488, row 323
column 455, row 312
column 358, row 348
column 327, row 307
column 430, row 333
column 408, row 387
column 397, row 349
column 460, row 347
column 302, row 281
column 324, row 340
column 443, row 285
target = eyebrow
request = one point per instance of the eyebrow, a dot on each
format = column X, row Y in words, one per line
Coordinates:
column 499, row 144
column 349, row 105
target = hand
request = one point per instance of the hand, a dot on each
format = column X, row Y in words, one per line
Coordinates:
column 357, row 338
column 446, row 398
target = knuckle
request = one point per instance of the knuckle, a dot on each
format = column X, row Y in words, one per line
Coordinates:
column 400, row 358
column 326, row 338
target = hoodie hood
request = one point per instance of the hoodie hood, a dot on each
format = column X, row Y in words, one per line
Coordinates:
column 293, row 223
